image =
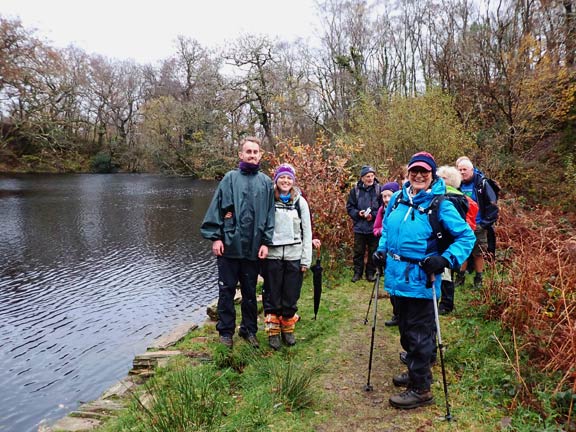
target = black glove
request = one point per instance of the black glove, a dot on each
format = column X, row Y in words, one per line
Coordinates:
column 379, row 259
column 435, row 264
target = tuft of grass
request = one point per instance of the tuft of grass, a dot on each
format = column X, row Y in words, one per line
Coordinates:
column 187, row 399
column 293, row 382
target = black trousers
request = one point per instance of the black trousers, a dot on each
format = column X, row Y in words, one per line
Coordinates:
column 418, row 338
column 230, row 272
column 447, row 299
column 363, row 242
column 282, row 287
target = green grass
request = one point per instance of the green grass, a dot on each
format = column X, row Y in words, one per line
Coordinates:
column 245, row 389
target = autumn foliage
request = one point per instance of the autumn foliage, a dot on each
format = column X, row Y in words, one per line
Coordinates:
column 323, row 173
column 533, row 291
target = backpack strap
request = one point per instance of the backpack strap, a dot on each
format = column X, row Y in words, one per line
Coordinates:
column 438, row 231
column 439, row 234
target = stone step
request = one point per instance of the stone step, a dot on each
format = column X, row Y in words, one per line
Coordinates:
column 173, row 337
column 150, row 360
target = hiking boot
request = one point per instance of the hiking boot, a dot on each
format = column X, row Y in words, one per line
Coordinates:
column 289, row 339
column 412, row 398
column 226, row 340
column 356, row 277
column 401, row 380
column 370, row 277
column 250, row 338
column 443, row 310
column 392, row 321
column 460, row 279
column 477, row 281
column 274, row 342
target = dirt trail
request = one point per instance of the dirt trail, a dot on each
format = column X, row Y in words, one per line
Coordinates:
column 356, row 409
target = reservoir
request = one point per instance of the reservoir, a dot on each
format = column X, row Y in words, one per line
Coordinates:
column 93, row 268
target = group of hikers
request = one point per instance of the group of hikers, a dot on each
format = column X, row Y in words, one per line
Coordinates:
column 419, row 233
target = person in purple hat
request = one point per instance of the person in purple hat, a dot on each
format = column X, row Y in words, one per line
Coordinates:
column 388, row 189
column 289, row 256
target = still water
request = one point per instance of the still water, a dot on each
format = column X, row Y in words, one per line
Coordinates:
column 93, row 268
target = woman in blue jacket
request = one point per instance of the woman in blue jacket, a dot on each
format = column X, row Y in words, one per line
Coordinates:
column 409, row 252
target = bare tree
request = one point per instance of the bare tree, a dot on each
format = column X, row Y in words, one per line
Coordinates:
column 256, row 61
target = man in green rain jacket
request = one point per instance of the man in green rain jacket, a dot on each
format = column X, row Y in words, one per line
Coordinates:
column 240, row 224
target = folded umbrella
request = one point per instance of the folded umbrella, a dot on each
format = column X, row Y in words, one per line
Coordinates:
column 317, row 282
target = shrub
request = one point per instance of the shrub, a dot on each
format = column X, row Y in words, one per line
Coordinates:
column 102, row 163
column 323, row 173
column 394, row 128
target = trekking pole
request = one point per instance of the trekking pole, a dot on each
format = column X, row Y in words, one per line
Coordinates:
column 374, row 288
column 368, row 387
column 430, row 284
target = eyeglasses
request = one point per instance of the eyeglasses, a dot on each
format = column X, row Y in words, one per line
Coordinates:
column 415, row 171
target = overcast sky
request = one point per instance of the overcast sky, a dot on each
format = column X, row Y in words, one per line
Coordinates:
column 145, row 30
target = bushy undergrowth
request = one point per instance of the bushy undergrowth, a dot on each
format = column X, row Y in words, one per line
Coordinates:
column 533, row 293
column 323, row 171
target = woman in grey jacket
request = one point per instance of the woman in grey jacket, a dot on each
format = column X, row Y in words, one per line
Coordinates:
column 289, row 256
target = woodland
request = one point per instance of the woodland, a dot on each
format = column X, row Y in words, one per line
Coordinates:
column 493, row 80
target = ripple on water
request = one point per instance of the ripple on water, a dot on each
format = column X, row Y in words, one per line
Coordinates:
column 92, row 268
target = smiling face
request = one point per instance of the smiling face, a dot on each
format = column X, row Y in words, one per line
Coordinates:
column 250, row 153
column 386, row 195
column 284, row 183
column 420, row 178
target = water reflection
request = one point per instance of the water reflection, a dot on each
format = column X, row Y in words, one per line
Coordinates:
column 92, row 269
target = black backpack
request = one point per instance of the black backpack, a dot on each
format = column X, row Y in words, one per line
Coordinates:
column 442, row 236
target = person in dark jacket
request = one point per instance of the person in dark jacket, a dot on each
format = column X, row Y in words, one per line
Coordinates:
column 240, row 223
column 362, row 206
column 408, row 251
column 475, row 186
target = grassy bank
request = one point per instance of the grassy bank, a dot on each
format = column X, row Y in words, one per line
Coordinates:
column 318, row 385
